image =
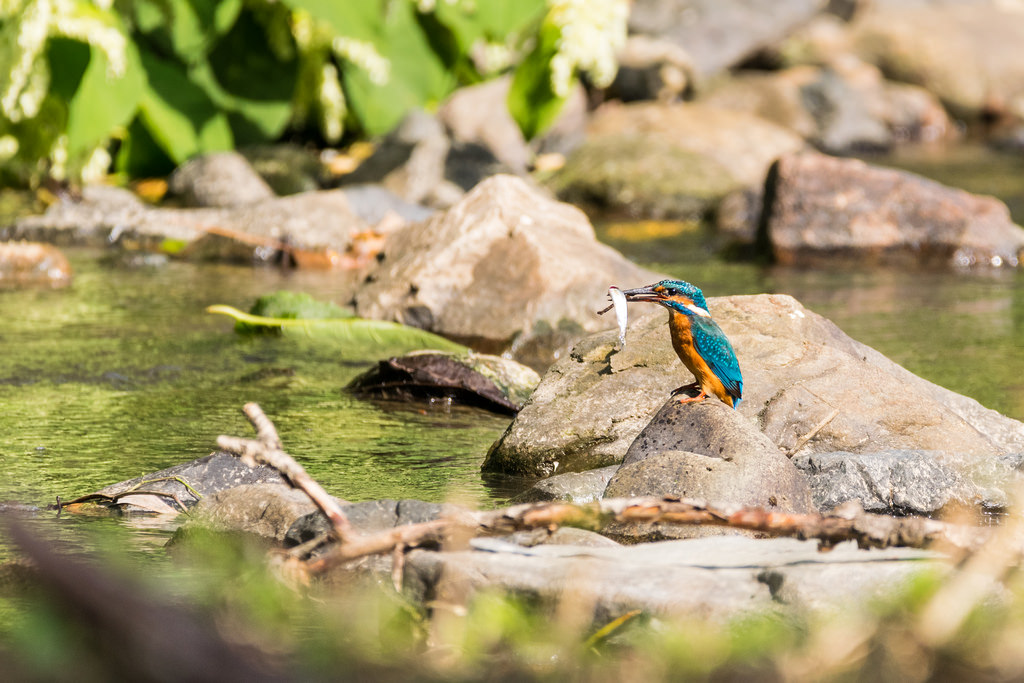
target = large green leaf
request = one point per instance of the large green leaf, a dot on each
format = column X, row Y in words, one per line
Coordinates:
column 186, row 28
column 418, row 75
column 531, row 100
column 361, row 19
column 499, row 18
column 354, row 337
column 178, row 114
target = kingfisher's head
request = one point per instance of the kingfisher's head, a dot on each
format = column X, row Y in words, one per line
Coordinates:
column 675, row 295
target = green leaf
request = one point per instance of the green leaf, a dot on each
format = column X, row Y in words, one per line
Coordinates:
column 418, row 75
column 361, row 19
column 531, row 101
column 357, row 337
column 186, row 28
column 139, row 155
column 102, row 104
column 296, row 305
column 499, row 18
column 178, row 114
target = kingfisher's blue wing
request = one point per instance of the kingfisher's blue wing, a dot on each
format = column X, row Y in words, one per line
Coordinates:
column 713, row 346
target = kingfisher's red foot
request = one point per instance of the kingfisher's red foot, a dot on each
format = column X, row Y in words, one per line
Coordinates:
column 685, row 387
column 693, row 399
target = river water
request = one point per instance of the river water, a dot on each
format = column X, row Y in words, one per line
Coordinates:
column 124, row 373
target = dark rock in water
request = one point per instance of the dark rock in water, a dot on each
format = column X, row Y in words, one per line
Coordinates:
column 219, row 179
column 813, row 216
column 710, row 578
column 490, row 382
column 26, row 264
column 908, row 482
column 810, row 388
column 718, row 34
column 205, row 476
column 575, row 487
column 504, row 266
column 707, row 451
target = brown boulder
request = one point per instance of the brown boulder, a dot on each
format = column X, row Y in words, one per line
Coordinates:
column 821, row 208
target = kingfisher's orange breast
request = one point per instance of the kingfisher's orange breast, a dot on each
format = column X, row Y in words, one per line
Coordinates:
column 682, row 341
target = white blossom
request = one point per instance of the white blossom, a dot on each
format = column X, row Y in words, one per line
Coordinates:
column 96, row 166
column 332, row 104
column 9, row 146
column 364, row 55
column 591, row 32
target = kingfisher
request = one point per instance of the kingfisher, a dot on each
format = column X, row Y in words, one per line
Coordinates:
column 697, row 339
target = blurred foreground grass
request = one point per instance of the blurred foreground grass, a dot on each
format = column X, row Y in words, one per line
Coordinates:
column 218, row 601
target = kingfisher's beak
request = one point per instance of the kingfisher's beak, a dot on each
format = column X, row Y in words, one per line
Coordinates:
column 644, row 294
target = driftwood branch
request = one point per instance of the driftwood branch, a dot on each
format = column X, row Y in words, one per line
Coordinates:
column 267, row 451
column 848, row 523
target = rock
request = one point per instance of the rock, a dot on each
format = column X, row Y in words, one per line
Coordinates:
column 219, row 179
column 479, row 115
column 651, row 69
column 505, row 266
column 718, row 578
column 964, row 53
column 491, row 382
column 707, row 451
column 576, row 487
column 267, row 510
column 287, row 169
column 843, row 107
column 313, row 229
column 27, row 264
column 419, row 163
column 368, row 517
column 205, row 476
column 719, row 34
column 373, row 203
column 820, row 209
column 810, row 387
column 563, row 535
column 908, row 482
column 669, row 160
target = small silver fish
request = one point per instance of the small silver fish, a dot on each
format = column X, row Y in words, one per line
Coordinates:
column 619, row 302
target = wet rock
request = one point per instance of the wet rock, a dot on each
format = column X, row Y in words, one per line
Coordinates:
column 190, row 482
column 491, row 382
column 505, row 266
column 669, row 160
column 908, row 482
column 576, row 487
column 821, row 209
column 219, row 179
column 26, row 264
column 964, row 53
column 563, row 535
column 843, row 107
column 313, row 229
column 709, row 578
column 719, row 34
column 810, row 387
column 267, row 510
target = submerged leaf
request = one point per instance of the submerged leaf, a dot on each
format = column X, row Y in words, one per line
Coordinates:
column 352, row 333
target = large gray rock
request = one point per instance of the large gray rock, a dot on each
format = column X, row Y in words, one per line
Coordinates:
column 908, row 482
column 219, row 179
column 669, row 160
column 809, row 387
column 575, row 487
column 267, row 510
column 712, row 578
column 505, row 266
column 719, row 34
column 822, row 209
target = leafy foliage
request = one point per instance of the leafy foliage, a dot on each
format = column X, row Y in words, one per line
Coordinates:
column 158, row 81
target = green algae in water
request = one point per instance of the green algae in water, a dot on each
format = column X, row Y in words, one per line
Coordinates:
column 124, row 373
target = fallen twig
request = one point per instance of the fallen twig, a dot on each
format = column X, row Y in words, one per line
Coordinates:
column 267, row 451
column 802, row 441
